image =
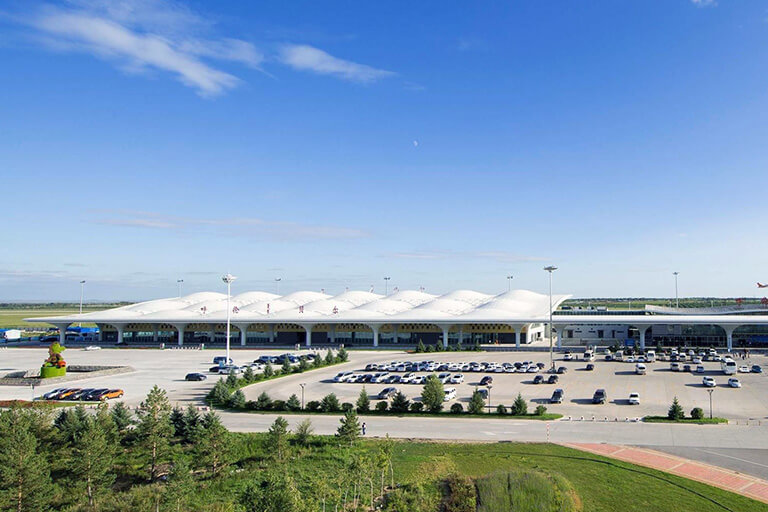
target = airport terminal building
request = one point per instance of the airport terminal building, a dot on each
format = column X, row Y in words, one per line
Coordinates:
column 360, row 318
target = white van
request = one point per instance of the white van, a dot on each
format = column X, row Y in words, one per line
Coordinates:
column 342, row 376
column 450, row 394
column 589, row 355
column 728, row 366
column 650, row 356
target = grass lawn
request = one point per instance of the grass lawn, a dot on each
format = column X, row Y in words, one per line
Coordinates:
column 702, row 421
column 13, row 317
column 602, row 484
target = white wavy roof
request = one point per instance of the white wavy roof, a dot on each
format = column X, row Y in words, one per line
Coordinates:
column 308, row 307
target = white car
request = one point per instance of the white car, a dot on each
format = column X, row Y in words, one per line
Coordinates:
column 675, row 367
column 419, row 379
column 533, row 369
column 568, row 356
column 743, row 369
column 734, row 383
column 640, row 369
column 634, row 399
column 640, row 359
column 457, row 379
column 444, row 377
column 92, row 347
column 700, row 368
column 696, row 360
column 630, row 359
column 408, row 378
column 450, row 394
column 709, row 382
column 379, row 377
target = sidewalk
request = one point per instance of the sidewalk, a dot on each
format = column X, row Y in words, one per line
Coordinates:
column 738, row 483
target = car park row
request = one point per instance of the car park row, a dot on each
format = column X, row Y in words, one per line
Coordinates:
column 83, row 394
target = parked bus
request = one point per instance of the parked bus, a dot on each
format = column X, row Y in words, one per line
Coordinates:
column 728, row 366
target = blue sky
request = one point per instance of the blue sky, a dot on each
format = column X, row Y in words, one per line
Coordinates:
column 444, row 144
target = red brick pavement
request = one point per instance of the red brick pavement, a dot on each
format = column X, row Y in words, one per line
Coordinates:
column 727, row 479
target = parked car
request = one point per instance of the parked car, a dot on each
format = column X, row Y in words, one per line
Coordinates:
column 450, row 394
column 226, row 370
column 444, row 377
column 709, row 382
column 734, row 382
column 630, row 359
column 590, row 367
column 640, row 369
column 675, row 367
column 562, row 370
column 457, row 379
column 195, row 376
column 686, row 368
column 567, row 356
column 342, row 376
column 538, row 379
column 486, row 380
column 553, row 379
column 67, row 392
column 419, row 379
column 744, row 369
column 94, row 395
column 700, row 369
column 51, row 395
column 634, row 399
column 112, row 393
column 599, row 397
column 557, row 396
column 222, row 360
column 78, row 395
column 387, row 393
column 756, row 368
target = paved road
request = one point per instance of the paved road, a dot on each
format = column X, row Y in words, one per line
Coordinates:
column 748, row 461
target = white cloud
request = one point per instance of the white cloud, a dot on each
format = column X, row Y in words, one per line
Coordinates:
column 499, row 256
column 704, row 3
column 309, row 58
column 238, row 226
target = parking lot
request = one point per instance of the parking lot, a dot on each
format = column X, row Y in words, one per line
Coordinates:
column 656, row 389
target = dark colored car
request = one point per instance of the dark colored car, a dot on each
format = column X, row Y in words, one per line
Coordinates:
column 557, row 396
column 687, row 368
column 61, row 395
column 93, row 395
column 541, row 366
column 562, row 370
column 214, row 369
column 590, row 367
column 538, row 379
column 52, row 394
column 599, row 397
column 552, row 379
column 195, row 376
column 486, row 380
column 394, row 379
column 78, row 395
column 221, row 360
column 756, row 368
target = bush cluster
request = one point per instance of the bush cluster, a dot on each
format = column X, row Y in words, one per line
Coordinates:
column 438, row 347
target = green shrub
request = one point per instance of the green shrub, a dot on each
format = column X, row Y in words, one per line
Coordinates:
column 476, row 403
column 400, row 403
column 293, row 403
column 237, row 400
column 433, row 394
column 303, row 364
column 540, row 410
column 248, row 375
column 346, row 407
column 417, row 407
column 268, row 370
column 459, row 494
column 279, row 405
column 420, row 347
column 500, row 409
column 342, row 356
column 457, row 409
column 330, row 403
column 520, row 407
column 232, row 380
column 382, row 406
column 675, row 412
column 697, row 413
column 263, row 402
column 312, row 405
column 363, row 401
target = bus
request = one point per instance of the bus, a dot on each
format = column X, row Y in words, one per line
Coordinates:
column 728, row 366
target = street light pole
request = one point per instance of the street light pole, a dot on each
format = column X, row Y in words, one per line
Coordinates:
column 677, row 299
column 302, row 395
column 277, row 280
column 710, row 402
column 82, row 286
column 386, row 285
column 179, row 283
column 550, row 269
column 228, row 278
column 490, row 410
column 509, row 283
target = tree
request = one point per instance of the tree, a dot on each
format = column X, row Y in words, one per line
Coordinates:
column 177, row 420
column 214, row 444
column 180, row 486
column 303, row 364
column 25, row 481
column 329, row 357
column 433, row 394
column 457, row 408
column 363, row 403
column 349, row 428
column 122, row 417
column 91, row 462
column 420, row 347
column 382, row 406
column 293, row 403
column 501, row 409
column 476, row 403
column 106, row 423
column 541, row 410
column 278, row 493
column 263, row 402
column 71, row 423
column 232, row 381
column 286, row 368
column 219, row 395
column 520, row 406
column 192, row 424
column 277, row 438
column 248, row 375
column 697, row 413
column 318, row 362
column 400, row 402
column 330, row 403
column 675, row 411
column 237, row 400
column 342, row 355
column 155, row 429
column 268, row 370
column 304, row 431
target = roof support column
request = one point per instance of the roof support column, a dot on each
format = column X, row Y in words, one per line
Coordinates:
column 180, row 328
column 642, row 329
column 560, row 335
column 333, row 333
column 729, row 335
column 375, row 329
column 395, row 338
column 445, row 329
column 518, row 330
column 308, row 328
column 243, row 333
column 271, row 333
column 155, row 334
column 100, row 327
column 62, row 332
column 120, row 332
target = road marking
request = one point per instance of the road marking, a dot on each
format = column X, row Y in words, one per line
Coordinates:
column 732, row 457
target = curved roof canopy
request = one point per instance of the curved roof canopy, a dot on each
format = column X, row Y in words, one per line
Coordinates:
column 308, row 307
